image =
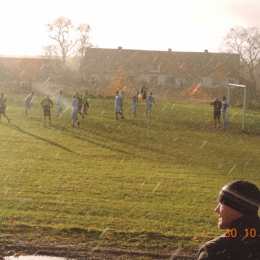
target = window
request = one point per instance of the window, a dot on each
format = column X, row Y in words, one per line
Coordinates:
column 155, row 68
column 154, row 79
column 216, row 81
column 170, row 80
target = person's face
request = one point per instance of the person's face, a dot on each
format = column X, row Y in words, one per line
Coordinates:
column 226, row 215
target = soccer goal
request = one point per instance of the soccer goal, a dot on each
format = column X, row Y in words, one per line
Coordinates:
column 244, row 102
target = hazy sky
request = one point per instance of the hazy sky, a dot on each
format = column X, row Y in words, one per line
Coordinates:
column 182, row 25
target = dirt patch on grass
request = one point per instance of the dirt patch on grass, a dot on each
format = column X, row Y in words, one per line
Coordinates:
column 81, row 252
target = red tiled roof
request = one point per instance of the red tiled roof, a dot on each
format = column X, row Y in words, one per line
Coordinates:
column 27, row 68
column 178, row 64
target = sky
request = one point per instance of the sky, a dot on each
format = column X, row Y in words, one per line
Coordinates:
column 182, row 25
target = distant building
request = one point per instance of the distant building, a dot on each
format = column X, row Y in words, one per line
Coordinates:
column 164, row 67
column 25, row 70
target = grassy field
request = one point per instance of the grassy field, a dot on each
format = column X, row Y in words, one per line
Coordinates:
column 139, row 183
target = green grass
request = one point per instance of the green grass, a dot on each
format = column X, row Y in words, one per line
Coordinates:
column 139, row 183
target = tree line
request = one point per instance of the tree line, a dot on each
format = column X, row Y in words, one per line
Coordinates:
column 246, row 43
column 67, row 39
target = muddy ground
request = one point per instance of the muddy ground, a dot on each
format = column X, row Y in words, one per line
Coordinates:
column 81, row 252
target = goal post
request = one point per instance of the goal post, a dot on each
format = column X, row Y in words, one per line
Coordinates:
column 244, row 102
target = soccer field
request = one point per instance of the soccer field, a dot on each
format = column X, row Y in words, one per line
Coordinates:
column 138, row 183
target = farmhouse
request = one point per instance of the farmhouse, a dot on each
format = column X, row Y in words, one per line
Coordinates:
column 23, row 71
column 164, row 67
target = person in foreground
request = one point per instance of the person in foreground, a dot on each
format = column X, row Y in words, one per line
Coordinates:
column 238, row 214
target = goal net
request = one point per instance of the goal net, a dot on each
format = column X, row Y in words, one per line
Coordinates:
column 244, row 102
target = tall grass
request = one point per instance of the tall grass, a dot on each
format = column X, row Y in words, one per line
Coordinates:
column 142, row 182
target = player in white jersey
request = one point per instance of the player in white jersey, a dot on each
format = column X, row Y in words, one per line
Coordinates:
column 149, row 104
column 27, row 102
column 134, row 103
column 59, row 103
column 74, row 111
column 224, row 111
column 119, row 105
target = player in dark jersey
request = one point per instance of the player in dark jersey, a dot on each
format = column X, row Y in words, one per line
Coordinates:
column 3, row 106
column 85, row 101
column 47, row 104
column 217, row 111
column 79, row 98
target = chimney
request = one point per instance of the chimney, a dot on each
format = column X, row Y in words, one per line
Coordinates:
column 119, row 47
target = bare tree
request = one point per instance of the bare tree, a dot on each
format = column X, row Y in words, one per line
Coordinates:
column 83, row 39
column 246, row 43
column 61, row 30
column 50, row 51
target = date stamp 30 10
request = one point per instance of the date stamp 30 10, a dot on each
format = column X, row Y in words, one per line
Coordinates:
column 249, row 232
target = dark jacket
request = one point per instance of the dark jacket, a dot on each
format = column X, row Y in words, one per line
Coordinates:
column 217, row 105
column 241, row 242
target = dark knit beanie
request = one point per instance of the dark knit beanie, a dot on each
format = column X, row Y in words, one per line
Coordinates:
column 241, row 196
